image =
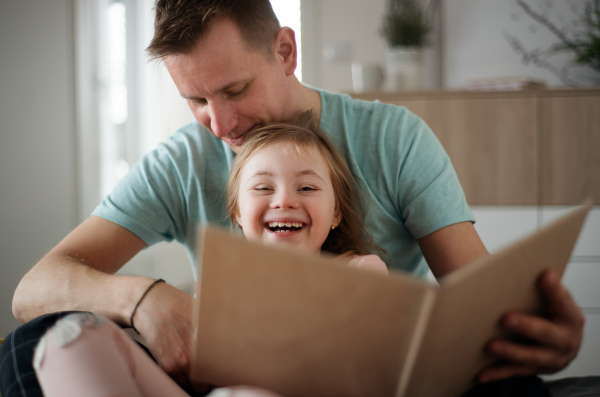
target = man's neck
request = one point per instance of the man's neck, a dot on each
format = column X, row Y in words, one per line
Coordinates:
column 309, row 99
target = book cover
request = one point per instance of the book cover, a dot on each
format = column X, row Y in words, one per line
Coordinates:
column 300, row 324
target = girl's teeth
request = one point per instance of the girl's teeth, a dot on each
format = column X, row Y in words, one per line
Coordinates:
column 288, row 224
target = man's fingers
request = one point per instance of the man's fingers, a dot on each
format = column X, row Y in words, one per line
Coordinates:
column 554, row 340
column 175, row 355
column 559, row 299
column 543, row 359
column 181, row 379
column 165, row 323
column 561, row 332
column 542, row 331
column 493, row 373
column 177, row 361
column 176, row 366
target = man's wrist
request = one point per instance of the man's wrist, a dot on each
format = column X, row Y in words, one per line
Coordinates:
column 131, row 322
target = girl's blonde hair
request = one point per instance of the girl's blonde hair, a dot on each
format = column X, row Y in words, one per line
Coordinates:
column 351, row 235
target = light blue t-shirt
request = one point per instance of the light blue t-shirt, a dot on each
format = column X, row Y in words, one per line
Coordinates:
column 407, row 180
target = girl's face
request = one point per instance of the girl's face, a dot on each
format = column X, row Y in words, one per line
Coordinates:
column 286, row 196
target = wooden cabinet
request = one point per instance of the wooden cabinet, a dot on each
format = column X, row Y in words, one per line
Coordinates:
column 570, row 148
column 515, row 147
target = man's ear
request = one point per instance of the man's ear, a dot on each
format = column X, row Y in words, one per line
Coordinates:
column 285, row 50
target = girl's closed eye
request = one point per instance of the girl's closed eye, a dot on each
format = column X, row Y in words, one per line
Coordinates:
column 265, row 188
column 307, row 189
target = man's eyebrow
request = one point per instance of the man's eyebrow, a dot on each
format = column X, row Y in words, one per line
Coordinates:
column 190, row 97
column 226, row 87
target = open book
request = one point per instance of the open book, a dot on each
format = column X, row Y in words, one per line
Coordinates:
column 303, row 325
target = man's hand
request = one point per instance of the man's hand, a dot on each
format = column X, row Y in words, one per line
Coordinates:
column 556, row 338
column 164, row 319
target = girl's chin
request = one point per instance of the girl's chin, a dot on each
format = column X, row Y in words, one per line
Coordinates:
column 290, row 241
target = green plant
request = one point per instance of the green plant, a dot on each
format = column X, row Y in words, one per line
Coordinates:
column 406, row 23
column 585, row 44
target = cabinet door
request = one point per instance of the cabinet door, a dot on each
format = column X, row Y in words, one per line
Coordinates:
column 570, row 150
column 499, row 226
column 589, row 238
column 491, row 142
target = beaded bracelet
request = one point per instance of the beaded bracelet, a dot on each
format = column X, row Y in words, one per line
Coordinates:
column 160, row 280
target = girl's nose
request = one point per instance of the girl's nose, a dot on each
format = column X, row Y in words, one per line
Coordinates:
column 284, row 198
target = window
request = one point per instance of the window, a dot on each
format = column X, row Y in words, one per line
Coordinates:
column 288, row 13
column 113, row 101
column 126, row 104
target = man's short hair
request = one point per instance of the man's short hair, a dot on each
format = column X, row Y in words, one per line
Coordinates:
column 179, row 24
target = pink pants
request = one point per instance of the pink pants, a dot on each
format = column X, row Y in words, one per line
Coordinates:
column 86, row 355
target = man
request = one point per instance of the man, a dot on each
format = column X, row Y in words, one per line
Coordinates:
column 235, row 67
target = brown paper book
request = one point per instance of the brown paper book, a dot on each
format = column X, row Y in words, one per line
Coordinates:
column 303, row 325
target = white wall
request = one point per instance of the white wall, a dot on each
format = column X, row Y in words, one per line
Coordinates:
column 476, row 44
column 469, row 43
column 352, row 28
column 38, row 191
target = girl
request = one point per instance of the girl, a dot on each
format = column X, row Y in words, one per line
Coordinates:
column 288, row 185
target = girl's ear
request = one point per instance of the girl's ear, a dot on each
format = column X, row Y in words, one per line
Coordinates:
column 337, row 218
column 238, row 219
column 285, row 50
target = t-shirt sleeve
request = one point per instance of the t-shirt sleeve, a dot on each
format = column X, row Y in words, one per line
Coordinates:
column 417, row 173
column 406, row 179
column 431, row 194
column 149, row 200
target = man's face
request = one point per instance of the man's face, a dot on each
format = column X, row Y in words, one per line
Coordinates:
column 229, row 87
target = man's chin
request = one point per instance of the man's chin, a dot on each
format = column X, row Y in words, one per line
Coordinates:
column 236, row 143
column 235, row 146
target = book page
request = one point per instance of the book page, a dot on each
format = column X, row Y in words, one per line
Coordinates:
column 299, row 324
column 472, row 300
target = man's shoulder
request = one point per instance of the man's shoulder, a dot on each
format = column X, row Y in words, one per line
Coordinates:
column 344, row 105
column 194, row 134
column 345, row 116
column 187, row 152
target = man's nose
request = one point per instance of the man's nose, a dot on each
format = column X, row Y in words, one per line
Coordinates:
column 222, row 119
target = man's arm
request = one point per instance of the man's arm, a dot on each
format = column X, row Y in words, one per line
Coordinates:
column 79, row 274
column 557, row 337
column 451, row 247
